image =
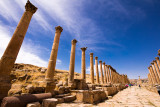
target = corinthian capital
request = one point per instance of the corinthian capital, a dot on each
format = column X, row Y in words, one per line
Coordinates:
column 30, row 7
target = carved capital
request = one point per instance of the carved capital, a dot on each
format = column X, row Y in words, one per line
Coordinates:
column 30, row 7
column 84, row 48
column 74, row 41
column 91, row 54
column 104, row 63
column 59, row 28
column 159, row 52
column 152, row 63
column 96, row 58
column 100, row 61
column 157, row 58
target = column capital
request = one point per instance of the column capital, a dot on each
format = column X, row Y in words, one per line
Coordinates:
column 152, row 63
column 149, row 67
column 159, row 52
column 91, row 54
column 104, row 63
column 59, row 28
column 100, row 61
column 30, row 7
column 96, row 58
column 74, row 41
column 84, row 48
column 157, row 58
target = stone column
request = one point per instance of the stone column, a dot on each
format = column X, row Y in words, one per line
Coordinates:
column 97, row 73
column 157, row 69
column 92, row 68
column 49, row 77
column 150, row 79
column 155, row 72
column 72, row 62
column 104, row 69
column 83, row 66
column 158, row 62
column 108, row 74
column 152, row 74
column 102, row 79
column 10, row 54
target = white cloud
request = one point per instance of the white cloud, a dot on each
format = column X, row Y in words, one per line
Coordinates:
column 28, row 52
column 88, row 69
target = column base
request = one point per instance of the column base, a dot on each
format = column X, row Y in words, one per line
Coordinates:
column 49, row 86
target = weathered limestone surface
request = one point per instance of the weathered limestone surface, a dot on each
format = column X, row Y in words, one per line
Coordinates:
column 102, row 78
column 83, row 66
column 52, row 102
column 91, row 68
column 35, row 104
column 97, row 72
column 9, row 57
column 104, row 69
column 72, row 63
column 155, row 73
column 152, row 75
column 49, row 78
column 157, row 69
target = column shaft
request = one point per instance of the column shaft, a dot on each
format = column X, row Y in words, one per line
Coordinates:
column 104, row 69
column 157, row 69
column 97, row 72
column 83, row 66
column 102, row 80
column 155, row 73
column 92, row 68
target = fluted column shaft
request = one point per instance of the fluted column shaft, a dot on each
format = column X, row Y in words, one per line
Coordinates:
column 10, row 54
column 157, row 69
column 104, row 69
column 102, row 80
column 155, row 73
column 152, row 74
column 97, row 72
column 72, row 62
column 158, row 62
column 92, row 68
column 83, row 65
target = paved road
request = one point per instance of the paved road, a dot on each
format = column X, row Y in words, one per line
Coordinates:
column 130, row 97
column 134, row 97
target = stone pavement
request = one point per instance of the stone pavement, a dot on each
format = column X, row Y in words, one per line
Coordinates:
column 130, row 97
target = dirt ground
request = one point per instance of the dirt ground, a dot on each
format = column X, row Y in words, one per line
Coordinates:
column 130, row 97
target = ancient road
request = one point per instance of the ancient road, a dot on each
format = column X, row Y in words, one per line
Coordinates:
column 130, row 97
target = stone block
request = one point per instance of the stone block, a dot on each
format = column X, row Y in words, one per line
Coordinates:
column 51, row 102
column 60, row 100
column 35, row 104
column 61, row 89
column 69, row 98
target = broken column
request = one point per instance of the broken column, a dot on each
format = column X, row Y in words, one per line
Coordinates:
column 155, row 72
column 92, row 68
column 97, row 72
column 72, row 63
column 102, row 80
column 9, row 57
column 83, row 66
column 104, row 69
column 49, row 77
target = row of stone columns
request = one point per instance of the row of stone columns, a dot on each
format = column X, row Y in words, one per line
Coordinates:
column 154, row 71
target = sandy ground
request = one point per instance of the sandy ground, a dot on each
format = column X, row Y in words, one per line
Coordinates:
column 130, row 97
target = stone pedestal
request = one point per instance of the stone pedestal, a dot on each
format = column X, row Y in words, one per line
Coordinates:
column 83, row 66
column 49, row 78
column 72, row 63
column 97, row 72
column 92, row 68
column 9, row 57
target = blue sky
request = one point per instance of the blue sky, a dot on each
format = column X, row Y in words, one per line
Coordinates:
column 123, row 33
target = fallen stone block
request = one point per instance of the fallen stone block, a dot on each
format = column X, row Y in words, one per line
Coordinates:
column 69, row 98
column 60, row 100
column 51, row 102
column 35, row 104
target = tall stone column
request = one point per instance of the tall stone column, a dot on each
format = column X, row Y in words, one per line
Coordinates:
column 155, row 72
column 10, row 54
column 83, row 66
column 157, row 69
column 92, row 68
column 49, row 77
column 97, row 72
column 108, row 74
column 149, row 78
column 102, row 78
column 158, row 62
column 72, row 63
column 152, row 74
column 104, row 69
